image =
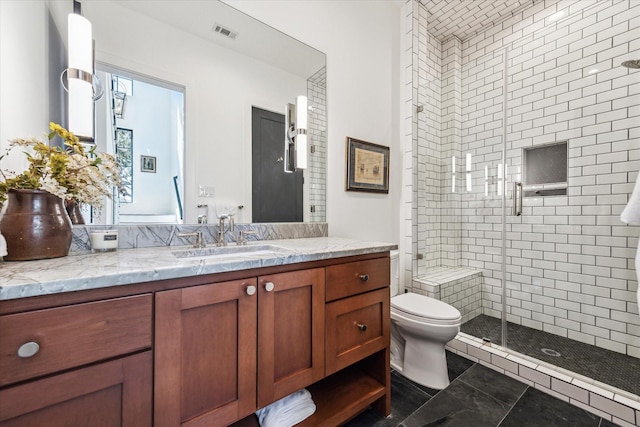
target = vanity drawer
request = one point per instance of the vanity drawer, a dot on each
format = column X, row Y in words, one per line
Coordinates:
column 353, row 278
column 60, row 338
column 356, row 328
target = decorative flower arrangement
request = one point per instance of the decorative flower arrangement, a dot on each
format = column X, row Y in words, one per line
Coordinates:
column 71, row 172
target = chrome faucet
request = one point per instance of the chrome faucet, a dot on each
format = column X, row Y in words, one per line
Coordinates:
column 222, row 241
column 199, row 243
column 242, row 236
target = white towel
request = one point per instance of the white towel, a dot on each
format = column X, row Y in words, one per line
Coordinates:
column 631, row 213
column 288, row 411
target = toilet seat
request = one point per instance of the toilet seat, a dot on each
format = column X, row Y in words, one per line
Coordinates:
column 421, row 308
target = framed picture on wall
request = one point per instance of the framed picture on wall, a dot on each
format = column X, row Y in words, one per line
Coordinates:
column 367, row 166
column 148, row 164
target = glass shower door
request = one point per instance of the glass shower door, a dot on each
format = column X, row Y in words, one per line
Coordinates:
column 569, row 279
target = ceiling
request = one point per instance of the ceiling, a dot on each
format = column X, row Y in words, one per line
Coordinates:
column 446, row 18
column 254, row 38
column 465, row 18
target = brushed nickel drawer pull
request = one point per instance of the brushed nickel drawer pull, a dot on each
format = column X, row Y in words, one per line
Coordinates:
column 269, row 286
column 361, row 326
column 28, row 349
column 251, row 290
column 364, row 277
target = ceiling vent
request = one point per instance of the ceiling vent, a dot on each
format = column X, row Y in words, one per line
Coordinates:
column 224, row 31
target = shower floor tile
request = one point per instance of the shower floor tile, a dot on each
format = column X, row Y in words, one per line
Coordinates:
column 602, row 365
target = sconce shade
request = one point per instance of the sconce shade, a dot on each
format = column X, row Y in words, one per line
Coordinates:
column 301, row 151
column 80, row 51
column 301, row 132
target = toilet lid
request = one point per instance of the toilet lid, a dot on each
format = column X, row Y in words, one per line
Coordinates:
column 424, row 306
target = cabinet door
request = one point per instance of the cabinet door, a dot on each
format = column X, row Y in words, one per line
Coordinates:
column 290, row 333
column 205, row 354
column 111, row 394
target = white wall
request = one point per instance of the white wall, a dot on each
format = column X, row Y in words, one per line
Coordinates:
column 361, row 40
column 23, row 76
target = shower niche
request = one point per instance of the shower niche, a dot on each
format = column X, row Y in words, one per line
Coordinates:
column 545, row 170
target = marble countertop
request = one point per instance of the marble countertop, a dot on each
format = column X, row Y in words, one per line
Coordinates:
column 127, row 266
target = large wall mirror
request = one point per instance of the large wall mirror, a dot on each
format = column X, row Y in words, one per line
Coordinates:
column 216, row 66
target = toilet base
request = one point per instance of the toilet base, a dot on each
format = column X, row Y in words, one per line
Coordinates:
column 425, row 363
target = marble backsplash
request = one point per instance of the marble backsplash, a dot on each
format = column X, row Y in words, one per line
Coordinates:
column 153, row 235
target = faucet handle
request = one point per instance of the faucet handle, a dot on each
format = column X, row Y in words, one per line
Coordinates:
column 199, row 243
column 200, row 240
column 242, row 236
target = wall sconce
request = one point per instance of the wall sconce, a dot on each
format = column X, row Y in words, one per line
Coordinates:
column 295, row 146
column 82, row 86
column 119, row 104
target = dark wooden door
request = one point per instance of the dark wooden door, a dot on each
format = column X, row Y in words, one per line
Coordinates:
column 276, row 195
column 290, row 333
column 111, row 394
column 205, row 354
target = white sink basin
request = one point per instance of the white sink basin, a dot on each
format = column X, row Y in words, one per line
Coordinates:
column 230, row 251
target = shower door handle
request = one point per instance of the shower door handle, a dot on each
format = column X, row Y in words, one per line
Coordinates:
column 517, row 199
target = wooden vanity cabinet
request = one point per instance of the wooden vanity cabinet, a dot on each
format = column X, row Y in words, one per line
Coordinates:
column 356, row 341
column 290, row 333
column 205, row 354
column 110, row 394
column 201, row 350
column 78, row 365
column 223, row 350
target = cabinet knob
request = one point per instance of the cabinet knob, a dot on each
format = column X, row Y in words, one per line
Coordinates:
column 269, row 286
column 364, row 277
column 28, row 349
column 251, row 290
column 361, row 326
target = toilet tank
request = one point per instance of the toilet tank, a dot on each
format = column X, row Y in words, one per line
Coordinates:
column 395, row 273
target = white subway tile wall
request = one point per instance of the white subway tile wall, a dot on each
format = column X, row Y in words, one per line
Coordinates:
column 569, row 258
column 570, row 268
column 409, row 138
column 316, row 172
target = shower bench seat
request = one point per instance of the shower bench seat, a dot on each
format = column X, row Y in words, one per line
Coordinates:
column 460, row 287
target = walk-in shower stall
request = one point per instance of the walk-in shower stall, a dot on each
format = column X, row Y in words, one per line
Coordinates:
column 526, row 148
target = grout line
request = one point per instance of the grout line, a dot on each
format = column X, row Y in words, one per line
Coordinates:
column 514, row 405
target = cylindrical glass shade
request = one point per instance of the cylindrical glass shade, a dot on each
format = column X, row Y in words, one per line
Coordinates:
column 80, row 91
column 301, row 151
column 301, row 131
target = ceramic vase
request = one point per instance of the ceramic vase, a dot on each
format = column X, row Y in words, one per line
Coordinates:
column 35, row 226
column 74, row 212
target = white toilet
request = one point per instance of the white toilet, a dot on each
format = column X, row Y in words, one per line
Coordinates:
column 420, row 328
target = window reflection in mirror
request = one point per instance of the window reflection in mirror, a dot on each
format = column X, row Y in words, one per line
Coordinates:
column 141, row 121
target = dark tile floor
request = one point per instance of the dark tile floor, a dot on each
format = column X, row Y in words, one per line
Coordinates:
column 603, row 365
column 477, row 397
